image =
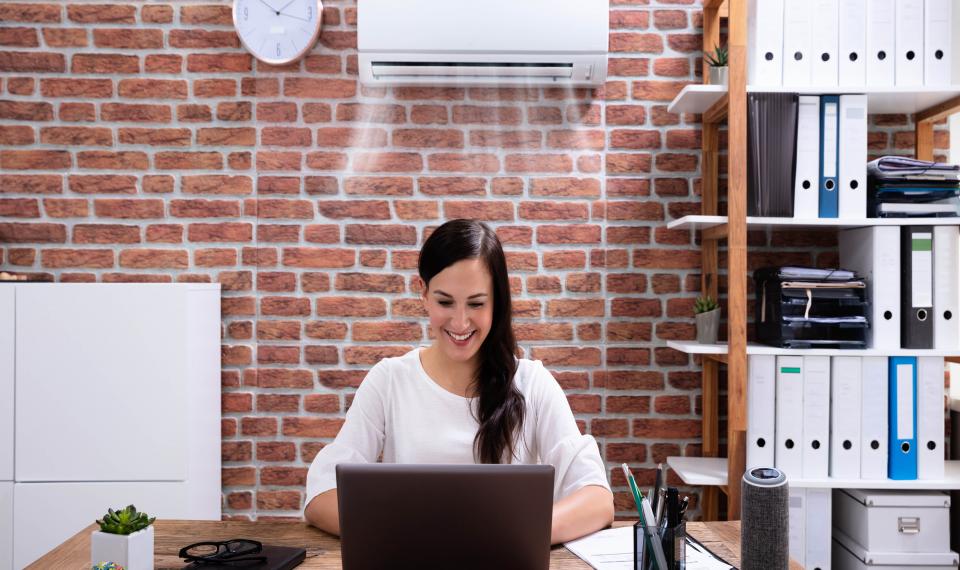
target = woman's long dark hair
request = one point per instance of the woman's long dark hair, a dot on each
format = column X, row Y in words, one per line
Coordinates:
column 501, row 405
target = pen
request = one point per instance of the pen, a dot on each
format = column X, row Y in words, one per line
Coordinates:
column 632, row 484
column 646, row 514
column 658, row 483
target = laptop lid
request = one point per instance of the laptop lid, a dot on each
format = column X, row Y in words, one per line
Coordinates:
column 445, row 516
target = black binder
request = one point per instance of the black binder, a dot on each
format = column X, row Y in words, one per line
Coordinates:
column 771, row 153
column 916, row 286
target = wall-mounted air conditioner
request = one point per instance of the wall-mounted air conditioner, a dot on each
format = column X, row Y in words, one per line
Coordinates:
column 486, row 42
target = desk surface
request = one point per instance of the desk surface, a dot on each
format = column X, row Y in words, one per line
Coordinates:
column 323, row 550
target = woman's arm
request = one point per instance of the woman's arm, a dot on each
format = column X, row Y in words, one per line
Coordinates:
column 586, row 510
column 323, row 512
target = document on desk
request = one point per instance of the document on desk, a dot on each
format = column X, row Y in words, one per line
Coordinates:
column 612, row 549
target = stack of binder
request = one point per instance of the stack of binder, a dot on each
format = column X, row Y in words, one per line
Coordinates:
column 805, row 307
column 847, row 417
column 771, row 149
column 902, row 187
column 850, row 43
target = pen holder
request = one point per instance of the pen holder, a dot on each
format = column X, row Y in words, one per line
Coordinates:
column 672, row 544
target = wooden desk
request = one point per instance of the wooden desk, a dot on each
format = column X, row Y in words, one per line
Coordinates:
column 323, row 550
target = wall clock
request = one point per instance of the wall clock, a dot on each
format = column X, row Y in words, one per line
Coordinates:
column 277, row 31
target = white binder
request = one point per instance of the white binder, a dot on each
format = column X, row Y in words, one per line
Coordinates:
column 874, row 253
column 845, row 406
column 853, row 157
column 874, row 422
column 825, row 41
column 797, row 517
column 946, row 293
column 930, row 417
column 806, row 186
column 761, row 405
column 789, row 410
column 881, row 34
column 797, row 20
column 909, row 43
column 765, row 34
column 816, row 417
column 937, row 42
column 818, row 515
column 852, row 51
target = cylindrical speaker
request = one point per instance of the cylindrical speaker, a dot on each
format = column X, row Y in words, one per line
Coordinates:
column 764, row 526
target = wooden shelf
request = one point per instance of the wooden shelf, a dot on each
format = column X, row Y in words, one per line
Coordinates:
column 885, row 100
column 693, row 347
column 707, row 222
column 713, row 471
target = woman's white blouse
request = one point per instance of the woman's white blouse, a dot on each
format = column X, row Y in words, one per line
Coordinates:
column 401, row 412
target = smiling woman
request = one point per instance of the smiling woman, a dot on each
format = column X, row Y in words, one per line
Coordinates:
column 466, row 398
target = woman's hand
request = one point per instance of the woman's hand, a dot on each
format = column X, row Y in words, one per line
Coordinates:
column 323, row 512
column 584, row 511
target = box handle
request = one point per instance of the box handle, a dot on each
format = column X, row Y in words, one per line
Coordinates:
column 908, row 525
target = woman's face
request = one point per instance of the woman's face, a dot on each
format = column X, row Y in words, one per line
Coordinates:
column 459, row 302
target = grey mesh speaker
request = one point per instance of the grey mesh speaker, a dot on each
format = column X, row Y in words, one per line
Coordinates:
column 764, row 530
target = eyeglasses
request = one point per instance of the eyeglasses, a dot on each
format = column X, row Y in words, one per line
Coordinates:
column 237, row 551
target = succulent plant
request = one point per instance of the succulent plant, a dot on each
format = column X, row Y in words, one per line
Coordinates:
column 124, row 521
column 718, row 58
column 704, row 304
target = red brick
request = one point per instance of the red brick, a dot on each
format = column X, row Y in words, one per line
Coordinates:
column 311, row 427
column 370, row 113
column 220, row 232
column 102, row 184
column 154, row 258
column 364, row 331
column 19, row 37
column 86, row 258
column 65, row 37
column 175, row 160
column 567, row 356
column 26, row 111
column 219, row 63
column 489, row 210
column 482, row 115
column 217, row 184
column 553, row 211
column 102, row 14
column 21, row 85
column 428, row 138
column 315, row 88
column 156, row 14
column 340, row 137
column 568, row 234
column 636, row 42
column 318, row 258
column 76, row 136
column 466, row 163
column 34, row 159
column 122, row 112
column 128, row 38
column 18, row 135
column 360, row 209
column 105, row 233
column 530, row 140
column 326, row 330
column 428, row 115
column 325, row 161
column 32, row 62
column 65, row 208
column 381, row 234
column 420, row 93
column 521, row 163
column 30, row 12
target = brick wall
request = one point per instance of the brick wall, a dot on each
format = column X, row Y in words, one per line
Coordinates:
column 139, row 142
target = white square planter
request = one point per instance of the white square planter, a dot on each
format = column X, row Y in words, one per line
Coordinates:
column 132, row 551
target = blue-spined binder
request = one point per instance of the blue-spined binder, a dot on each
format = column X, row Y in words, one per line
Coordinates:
column 903, row 418
column 829, row 155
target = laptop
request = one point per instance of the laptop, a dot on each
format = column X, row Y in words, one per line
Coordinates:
column 445, row 516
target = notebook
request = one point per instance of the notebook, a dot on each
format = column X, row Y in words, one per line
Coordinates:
column 278, row 558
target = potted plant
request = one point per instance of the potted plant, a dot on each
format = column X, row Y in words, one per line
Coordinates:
column 125, row 538
column 718, row 65
column 707, row 313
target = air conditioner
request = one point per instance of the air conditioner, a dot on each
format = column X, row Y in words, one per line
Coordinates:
column 483, row 42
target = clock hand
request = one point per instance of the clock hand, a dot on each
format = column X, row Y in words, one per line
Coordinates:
column 294, row 17
column 285, row 6
column 272, row 9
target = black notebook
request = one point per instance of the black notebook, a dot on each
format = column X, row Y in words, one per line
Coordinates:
column 278, row 558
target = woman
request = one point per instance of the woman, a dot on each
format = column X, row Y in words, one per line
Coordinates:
column 466, row 398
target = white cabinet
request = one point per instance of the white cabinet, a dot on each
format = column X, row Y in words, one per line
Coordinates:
column 37, row 516
column 116, row 390
column 6, row 525
column 6, row 384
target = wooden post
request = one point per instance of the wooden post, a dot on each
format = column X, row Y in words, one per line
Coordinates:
column 711, row 33
column 737, row 255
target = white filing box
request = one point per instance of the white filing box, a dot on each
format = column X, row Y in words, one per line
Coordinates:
column 848, row 555
column 893, row 521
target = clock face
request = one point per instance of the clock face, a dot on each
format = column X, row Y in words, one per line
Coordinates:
column 277, row 31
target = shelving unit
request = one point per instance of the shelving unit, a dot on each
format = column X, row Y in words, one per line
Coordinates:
column 713, row 471
column 719, row 351
column 719, row 104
